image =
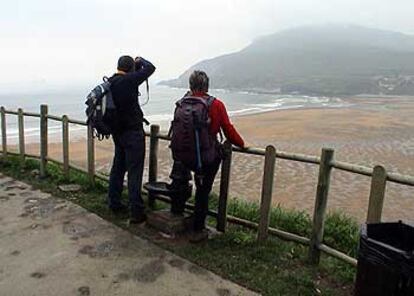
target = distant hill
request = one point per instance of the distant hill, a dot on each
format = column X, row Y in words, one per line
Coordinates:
column 316, row 60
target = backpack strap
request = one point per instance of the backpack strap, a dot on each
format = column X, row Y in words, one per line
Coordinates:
column 177, row 104
column 210, row 100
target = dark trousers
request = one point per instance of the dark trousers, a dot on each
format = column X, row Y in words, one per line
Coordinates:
column 204, row 183
column 129, row 157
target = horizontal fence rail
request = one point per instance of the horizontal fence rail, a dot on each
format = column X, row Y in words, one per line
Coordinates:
column 79, row 122
column 344, row 166
column 326, row 162
column 53, row 117
column 31, row 114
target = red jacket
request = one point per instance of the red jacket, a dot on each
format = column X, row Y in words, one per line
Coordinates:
column 220, row 120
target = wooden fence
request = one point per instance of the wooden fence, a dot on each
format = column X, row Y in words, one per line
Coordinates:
column 326, row 162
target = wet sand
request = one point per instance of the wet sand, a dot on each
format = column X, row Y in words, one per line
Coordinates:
column 370, row 131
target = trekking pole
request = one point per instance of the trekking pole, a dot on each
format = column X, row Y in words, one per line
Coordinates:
column 198, row 152
column 198, row 174
column 198, row 148
column 196, row 125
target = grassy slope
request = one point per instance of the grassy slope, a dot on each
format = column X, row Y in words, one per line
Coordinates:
column 272, row 268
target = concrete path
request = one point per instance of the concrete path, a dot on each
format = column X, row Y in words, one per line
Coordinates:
column 49, row 246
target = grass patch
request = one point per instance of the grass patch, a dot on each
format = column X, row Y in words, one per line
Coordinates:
column 341, row 231
column 272, row 268
column 275, row 267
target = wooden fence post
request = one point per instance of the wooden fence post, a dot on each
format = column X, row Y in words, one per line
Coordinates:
column 91, row 156
column 3, row 132
column 43, row 140
column 267, row 189
column 65, row 145
column 21, row 136
column 224, row 188
column 321, row 201
column 153, row 160
column 377, row 194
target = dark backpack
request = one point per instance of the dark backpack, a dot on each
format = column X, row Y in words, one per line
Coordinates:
column 101, row 110
column 191, row 142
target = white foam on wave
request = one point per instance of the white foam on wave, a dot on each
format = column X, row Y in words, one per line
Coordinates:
column 31, row 130
column 159, row 117
column 247, row 111
column 32, row 134
column 160, row 109
column 292, row 107
column 293, row 102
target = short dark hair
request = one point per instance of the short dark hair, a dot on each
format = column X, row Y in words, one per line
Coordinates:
column 199, row 81
column 126, row 64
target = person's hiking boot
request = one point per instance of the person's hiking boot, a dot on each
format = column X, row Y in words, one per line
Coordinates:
column 119, row 210
column 138, row 219
column 199, row 236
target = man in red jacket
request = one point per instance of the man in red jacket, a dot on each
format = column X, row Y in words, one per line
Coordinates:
column 180, row 175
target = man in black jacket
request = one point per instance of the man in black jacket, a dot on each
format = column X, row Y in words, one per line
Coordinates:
column 128, row 136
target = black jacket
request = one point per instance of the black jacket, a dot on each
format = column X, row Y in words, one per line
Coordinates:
column 124, row 88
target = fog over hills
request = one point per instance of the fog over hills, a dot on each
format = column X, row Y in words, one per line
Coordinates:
column 316, row 60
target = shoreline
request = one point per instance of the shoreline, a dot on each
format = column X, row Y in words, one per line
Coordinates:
column 56, row 135
column 347, row 102
column 366, row 134
column 277, row 93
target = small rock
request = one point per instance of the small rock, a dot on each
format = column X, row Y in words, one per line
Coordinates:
column 34, row 226
column 59, row 207
column 35, row 173
column 37, row 275
column 166, row 235
column 84, row 291
column 70, row 188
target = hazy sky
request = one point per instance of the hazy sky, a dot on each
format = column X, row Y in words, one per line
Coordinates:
column 57, row 43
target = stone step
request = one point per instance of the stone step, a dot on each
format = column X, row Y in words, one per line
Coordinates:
column 169, row 223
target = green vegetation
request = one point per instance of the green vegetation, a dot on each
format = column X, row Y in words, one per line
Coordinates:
column 275, row 267
column 341, row 231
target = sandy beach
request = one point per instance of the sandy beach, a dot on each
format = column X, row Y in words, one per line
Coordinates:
column 369, row 131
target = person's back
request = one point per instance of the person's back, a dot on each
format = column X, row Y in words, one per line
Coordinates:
column 191, row 142
column 124, row 88
column 180, row 174
column 128, row 136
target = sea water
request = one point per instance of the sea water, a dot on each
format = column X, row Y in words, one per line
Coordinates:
column 158, row 110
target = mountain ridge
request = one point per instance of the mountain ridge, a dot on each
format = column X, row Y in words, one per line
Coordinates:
column 316, row 60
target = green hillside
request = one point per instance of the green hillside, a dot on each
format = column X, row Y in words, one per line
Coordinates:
column 317, row 60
